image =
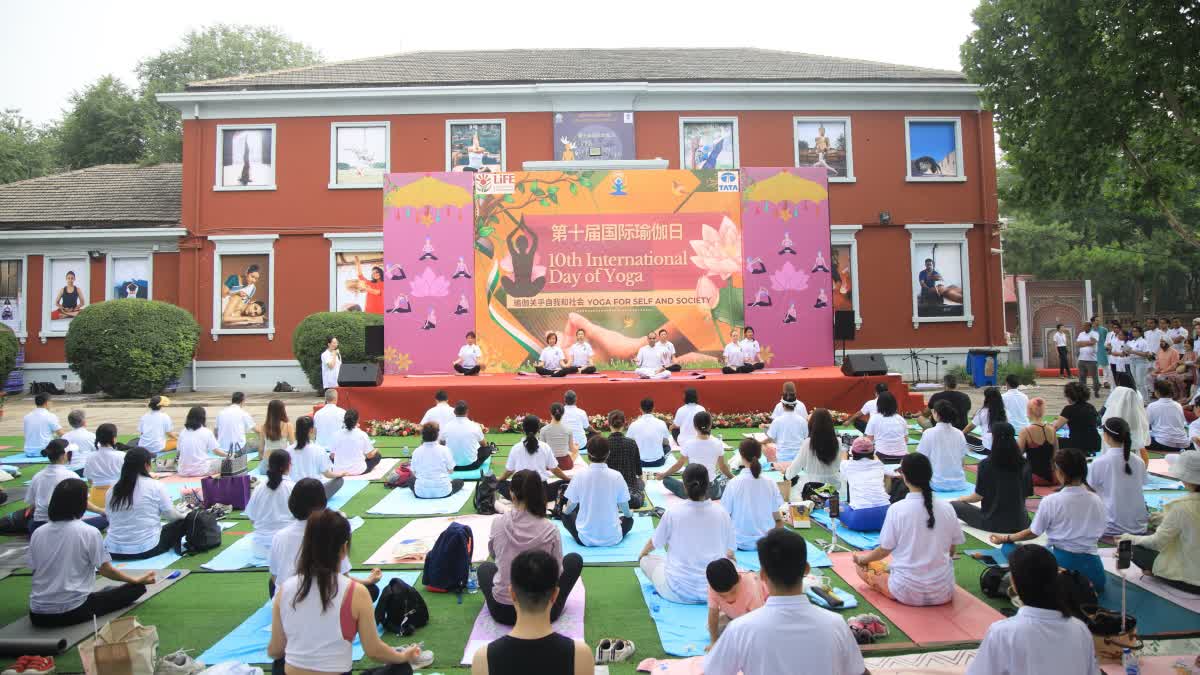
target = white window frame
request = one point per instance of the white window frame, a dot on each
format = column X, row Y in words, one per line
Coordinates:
column 940, row 234
column 22, row 334
column 348, row 242
column 110, row 272
column 737, row 139
column 849, row 177
column 846, row 235
column 49, row 284
column 243, row 244
column 503, row 135
column 220, row 145
column 958, row 151
column 387, row 152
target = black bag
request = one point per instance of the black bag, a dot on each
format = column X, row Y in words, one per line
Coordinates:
column 1083, row 593
column 485, row 495
column 202, row 532
column 283, row 386
column 36, row 388
column 401, row 609
column 994, row 582
column 16, row 522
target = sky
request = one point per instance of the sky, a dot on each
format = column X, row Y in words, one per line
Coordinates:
column 51, row 48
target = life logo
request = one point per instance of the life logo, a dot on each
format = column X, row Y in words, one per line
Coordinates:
column 495, row 183
column 727, row 181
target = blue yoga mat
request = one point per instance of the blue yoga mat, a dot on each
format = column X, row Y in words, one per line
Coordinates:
column 346, row 493
column 1159, row 483
column 863, row 541
column 241, row 554
column 402, row 502
column 1155, row 615
column 993, row 553
column 20, row 458
column 626, row 551
column 1157, row 500
column 175, row 490
column 474, row 474
column 248, row 642
column 848, row 600
column 954, row 494
column 161, row 561
column 682, row 629
column 748, row 560
column 977, row 455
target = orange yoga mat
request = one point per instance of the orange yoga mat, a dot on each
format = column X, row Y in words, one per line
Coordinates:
column 965, row 619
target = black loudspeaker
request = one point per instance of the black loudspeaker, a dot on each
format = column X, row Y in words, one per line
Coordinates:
column 360, row 375
column 843, row 325
column 374, row 341
column 857, row 364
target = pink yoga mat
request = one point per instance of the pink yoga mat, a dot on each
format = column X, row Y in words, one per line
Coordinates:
column 1160, row 467
column 569, row 623
column 964, row 619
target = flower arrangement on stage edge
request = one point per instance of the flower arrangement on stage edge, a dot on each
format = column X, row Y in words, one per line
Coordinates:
column 396, row 427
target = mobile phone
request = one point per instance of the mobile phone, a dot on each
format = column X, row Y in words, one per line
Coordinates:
column 1124, row 554
column 835, row 505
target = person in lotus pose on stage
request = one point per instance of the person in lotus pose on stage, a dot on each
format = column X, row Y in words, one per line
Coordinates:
column 580, row 355
column 649, row 360
column 751, row 350
column 667, row 349
column 550, row 361
column 469, row 357
column 734, row 360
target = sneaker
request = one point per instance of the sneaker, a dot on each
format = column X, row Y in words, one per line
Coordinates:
column 39, row 665
column 178, row 663
column 604, row 651
column 424, row 659
column 622, row 650
column 871, row 623
column 18, row 667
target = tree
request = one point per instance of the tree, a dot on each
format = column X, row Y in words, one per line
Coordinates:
column 26, row 150
column 1095, row 99
column 214, row 52
column 103, row 126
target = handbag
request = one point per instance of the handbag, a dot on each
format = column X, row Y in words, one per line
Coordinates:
column 1105, row 626
column 122, row 647
column 231, row 490
column 166, row 464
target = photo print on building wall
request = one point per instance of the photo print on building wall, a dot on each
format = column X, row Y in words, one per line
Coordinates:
column 131, row 277
column 247, row 158
column 824, row 143
column 359, row 282
column 583, row 136
column 12, row 294
column 245, row 290
column 475, row 146
column 68, row 294
column 361, row 154
column 938, row 279
column 933, row 149
column 708, row 144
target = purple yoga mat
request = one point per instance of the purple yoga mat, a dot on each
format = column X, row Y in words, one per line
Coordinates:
column 570, row 624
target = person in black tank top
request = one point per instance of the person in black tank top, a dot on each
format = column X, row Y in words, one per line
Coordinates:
column 533, row 646
column 1040, row 442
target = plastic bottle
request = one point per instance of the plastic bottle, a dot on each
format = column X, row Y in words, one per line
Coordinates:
column 1129, row 661
column 473, row 581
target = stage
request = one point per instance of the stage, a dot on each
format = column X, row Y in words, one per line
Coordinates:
column 494, row 396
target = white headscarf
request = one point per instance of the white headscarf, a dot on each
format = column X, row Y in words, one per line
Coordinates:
column 1127, row 404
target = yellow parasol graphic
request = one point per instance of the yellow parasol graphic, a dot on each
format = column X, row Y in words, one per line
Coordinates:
column 786, row 187
column 427, row 192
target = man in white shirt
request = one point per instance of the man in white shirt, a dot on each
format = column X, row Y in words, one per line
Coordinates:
column 465, row 440
column 431, row 466
column 1016, row 403
column 860, row 418
column 1168, row 426
column 593, row 498
column 649, row 360
column 1064, row 354
column 786, row 434
column 652, row 436
column 1152, row 335
column 331, row 363
column 1086, row 341
column 575, row 419
column 683, row 426
column 1179, row 337
column 441, row 412
column 328, row 420
column 41, row 426
column 83, row 440
column 469, row 356
column 753, row 643
column 1114, row 344
column 667, row 348
column 232, row 424
column 733, row 359
column 1138, row 354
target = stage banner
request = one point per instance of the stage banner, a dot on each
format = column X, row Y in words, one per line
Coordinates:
column 616, row 254
column 788, row 280
column 429, row 272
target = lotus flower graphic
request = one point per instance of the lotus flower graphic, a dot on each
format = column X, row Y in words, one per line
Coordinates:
column 705, row 288
column 788, row 278
column 719, row 253
column 429, row 284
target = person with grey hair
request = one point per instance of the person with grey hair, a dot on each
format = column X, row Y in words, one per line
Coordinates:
column 328, row 420
column 83, row 440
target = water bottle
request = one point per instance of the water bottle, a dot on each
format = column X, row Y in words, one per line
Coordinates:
column 1129, row 661
column 473, row 581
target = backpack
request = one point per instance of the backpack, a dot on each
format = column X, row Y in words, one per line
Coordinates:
column 202, row 532
column 283, row 386
column 485, row 495
column 400, row 476
column 448, row 563
column 401, row 609
column 16, row 522
column 994, row 582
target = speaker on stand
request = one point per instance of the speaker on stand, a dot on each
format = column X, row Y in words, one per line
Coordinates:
column 843, row 328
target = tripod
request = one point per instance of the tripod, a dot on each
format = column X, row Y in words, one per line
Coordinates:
column 916, row 360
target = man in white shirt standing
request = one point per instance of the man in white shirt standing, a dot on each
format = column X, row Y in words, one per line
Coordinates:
column 328, row 420
column 1152, row 335
column 1114, row 344
column 575, row 419
column 1064, row 355
column 441, row 412
column 734, row 360
column 1086, row 341
column 752, row 643
column 331, row 363
column 668, row 351
column 1179, row 337
column 232, row 424
column 649, row 360
column 652, row 436
column 465, row 440
column 1016, row 404
column 41, row 426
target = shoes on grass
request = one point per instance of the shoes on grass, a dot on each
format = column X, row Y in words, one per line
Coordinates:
column 31, row 665
column 867, row 628
column 424, row 660
column 613, row 650
column 178, row 663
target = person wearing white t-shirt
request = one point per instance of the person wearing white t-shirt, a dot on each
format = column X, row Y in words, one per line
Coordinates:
column 1117, row 475
column 991, row 412
column 1016, row 403
column 199, row 452
column 469, row 357
column 40, row 426
column 594, row 498
column 1152, row 335
column 41, row 487
column 81, row 441
column 667, row 348
column 648, row 361
column 579, row 356
column 693, row 534
column 786, row 434
column 751, row 499
column 1194, row 433
column 859, row 419
column 65, row 555
column 751, row 350
column 1178, row 336
column 1043, row 636
column 328, row 419
column 104, row 467
column 732, row 359
column 788, row 394
column 136, row 506
column 233, row 423
column 945, row 447
column 652, row 436
column 683, row 426
column 1139, row 352
column 311, row 460
column 550, row 361
column 268, row 505
column 705, row 450
column 465, row 440
column 353, row 453
column 1064, row 354
column 1168, row 426
column 865, row 500
column 1086, row 342
column 331, row 363
column 533, row 455
column 1114, row 344
column 155, row 428
column 920, row 534
column 431, row 466
column 888, row 430
column 575, row 418
column 441, row 412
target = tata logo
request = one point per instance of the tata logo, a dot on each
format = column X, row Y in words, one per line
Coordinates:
column 495, row 183
column 727, row 181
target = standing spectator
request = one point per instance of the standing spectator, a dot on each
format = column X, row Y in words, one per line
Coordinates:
column 331, row 363
column 1064, row 355
column 1087, row 342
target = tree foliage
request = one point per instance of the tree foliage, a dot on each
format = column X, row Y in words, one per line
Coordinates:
column 350, row 328
column 131, row 348
column 104, row 126
column 26, row 150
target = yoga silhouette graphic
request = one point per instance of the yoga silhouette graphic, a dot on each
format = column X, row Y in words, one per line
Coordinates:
column 522, row 247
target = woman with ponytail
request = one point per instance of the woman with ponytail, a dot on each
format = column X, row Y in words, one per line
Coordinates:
column 990, row 412
column 701, row 449
column 751, row 499
column 819, row 461
column 135, row 507
column 268, row 506
column 1072, row 520
column 1117, row 475
column 310, row 460
column 919, row 533
column 1044, row 636
column 534, row 455
column 353, row 454
column 693, row 534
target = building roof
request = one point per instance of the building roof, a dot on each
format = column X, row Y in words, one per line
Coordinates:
column 529, row 66
column 106, row 196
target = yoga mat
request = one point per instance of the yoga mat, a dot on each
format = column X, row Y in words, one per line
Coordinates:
column 626, row 551
column 161, row 561
column 1044, row 490
column 1159, row 483
column 964, row 619
column 1159, row 466
column 240, row 554
column 16, row 494
column 169, row 478
column 954, row 494
column 474, row 474
column 402, row 502
column 659, row 495
column 413, row 541
column 982, row 535
column 862, row 541
column 682, row 629
column 848, row 600
column 175, row 489
column 22, row 637
column 993, row 553
column 346, row 493
column 20, row 458
column 14, row 553
column 248, row 642
column 1135, row 575
column 380, row 471
column 977, row 455
column 748, row 560
column 1157, row 500
column 1158, row 617
column 569, row 623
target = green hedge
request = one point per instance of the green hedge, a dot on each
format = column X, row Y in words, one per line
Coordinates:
column 308, row 341
column 131, row 348
column 9, row 345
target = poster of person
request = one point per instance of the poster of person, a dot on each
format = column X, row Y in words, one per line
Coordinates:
column 12, row 274
column 131, row 278
column 937, row 279
column 475, row 146
column 245, row 290
column 582, row 136
column 362, row 154
column 358, row 282
column 708, row 145
column 823, row 144
column 843, row 281
column 247, row 158
column 932, row 149
column 67, row 291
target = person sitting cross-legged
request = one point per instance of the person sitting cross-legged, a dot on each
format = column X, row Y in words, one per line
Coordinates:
column 465, row 439
column 593, row 499
column 431, row 465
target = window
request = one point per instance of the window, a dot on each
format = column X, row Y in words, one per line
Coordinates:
column 843, row 266
column 66, row 290
column 708, row 143
column 356, row 272
column 245, row 157
column 934, row 149
column 129, row 276
column 244, row 285
column 941, row 273
column 12, row 295
column 475, row 145
column 825, row 142
column 359, row 154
